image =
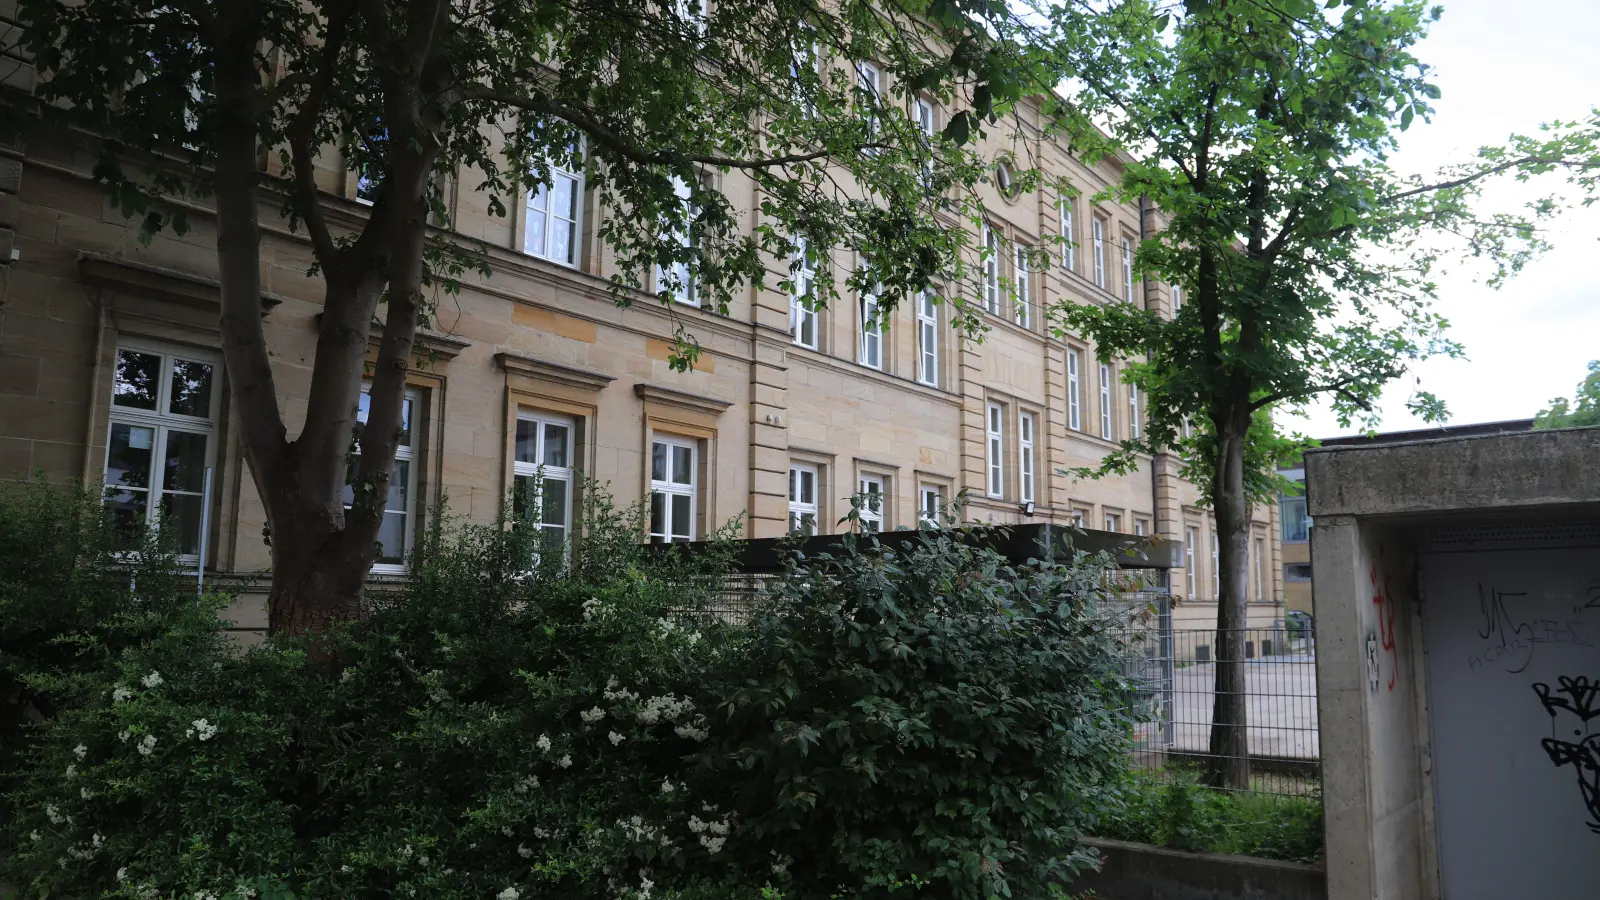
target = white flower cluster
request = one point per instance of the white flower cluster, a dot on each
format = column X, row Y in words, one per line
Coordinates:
column 615, row 738
column 694, row 731
column 543, row 743
column 509, row 893
column 665, row 628
column 82, row 852
column 147, row 745
column 636, row 830
column 782, row 862
column 616, row 693
column 667, row 787
column 591, row 716
column 645, row 885
column 72, row 770
column 202, row 729
column 524, row 852
column 123, row 735
column 666, row 706
column 541, row 833
column 120, row 693
column 153, row 680
column 80, row 751
column 527, row 784
column 55, row 816
column 712, row 834
column 565, row 761
column 593, row 610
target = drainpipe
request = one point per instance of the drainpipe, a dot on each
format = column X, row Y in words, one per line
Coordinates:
column 1155, row 481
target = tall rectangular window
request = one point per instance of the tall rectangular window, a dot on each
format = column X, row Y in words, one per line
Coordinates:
column 1216, row 569
column 1113, row 522
column 927, row 339
column 872, row 496
column 1293, row 519
column 1024, row 308
column 922, row 116
column 554, row 217
column 1177, row 298
column 1105, row 401
column 1099, row 252
column 1261, row 571
column 1191, row 536
column 1074, row 392
column 673, row 489
column 1127, row 269
column 1140, row 527
column 542, row 475
column 1069, row 236
column 930, row 505
column 803, row 499
column 677, row 278
column 991, row 270
column 871, row 331
column 1133, row 411
column 161, row 439
column 997, row 450
column 1025, row 456
column 869, row 81
column 803, row 57
column 394, row 535
column 802, row 315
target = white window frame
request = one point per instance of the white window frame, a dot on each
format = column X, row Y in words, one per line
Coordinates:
column 805, row 54
column 991, row 270
column 1069, row 236
column 162, row 422
column 1216, row 566
column 995, row 427
column 1099, row 252
column 869, row 487
column 1261, row 572
column 800, row 508
column 1106, row 427
column 668, row 488
column 1025, row 456
column 922, row 115
column 685, row 292
column 403, row 453
column 1138, row 527
column 1127, row 268
column 870, row 333
column 549, row 473
column 927, row 339
column 693, row 12
column 1074, row 395
column 1024, row 300
column 1113, row 522
column 550, row 218
column 1191, row 536
column 1177, row 298
column 930, row 505
column 802, row 317
column 869, row 80
column 1133, row 411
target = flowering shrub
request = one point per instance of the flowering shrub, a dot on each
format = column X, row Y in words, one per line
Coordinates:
column 518, row 723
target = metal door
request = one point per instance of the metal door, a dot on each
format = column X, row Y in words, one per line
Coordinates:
column 1511, row 629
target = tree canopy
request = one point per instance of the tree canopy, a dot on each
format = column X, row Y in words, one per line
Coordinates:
column 1583, row 411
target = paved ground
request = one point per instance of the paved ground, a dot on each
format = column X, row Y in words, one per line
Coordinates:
column 1282, row 706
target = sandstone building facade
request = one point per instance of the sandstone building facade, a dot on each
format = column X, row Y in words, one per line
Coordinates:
column 109, row 369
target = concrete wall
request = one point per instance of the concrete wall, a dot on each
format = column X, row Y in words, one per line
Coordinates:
column 1130, row 871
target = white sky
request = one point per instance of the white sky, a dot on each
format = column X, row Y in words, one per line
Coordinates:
column 1505, row 67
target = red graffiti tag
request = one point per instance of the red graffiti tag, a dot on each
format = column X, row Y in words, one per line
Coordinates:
column 1386, row 626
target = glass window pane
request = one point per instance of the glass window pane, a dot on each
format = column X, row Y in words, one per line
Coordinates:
column 128, row 456
column 658, row 461
column 522, row 499
column 128, row 512
column 180, row 516
column 538, row 202
column 555, row 445
column 808, row 486
column 185, row 462
column 392, row 538
column 191, row 389
column 682, row 465
column 682, row 527
column 554, row 540
column 405, row 422
column 553, row 509
column 138, row 379
column 527, row 441
column 658, row 515
column 869, row 525
column 399, row 485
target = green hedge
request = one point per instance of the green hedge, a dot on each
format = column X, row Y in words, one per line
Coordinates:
column 1171, row 808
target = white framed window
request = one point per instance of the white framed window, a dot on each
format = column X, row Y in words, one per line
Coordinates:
column 1127, row 268
column 1099, row 252
column 541, row 467
column 1191, row 536
column 1177, row 298
column 1069, row 235
column 553, row 219
column 869, row 81
column 927, row 339
column 803, row 59
column 1024, row 309
column 677, row 279
column 693, row 12
column 1074, row 393
column 162, row 438
column 873, row 497
column 930, row 505
column 1139, row 527
column 1105, row 401
column 399, row 508
column 922, row 116
column 991, row 270
column 1216, row 568
column 1261, row 571
column 674, row 494
column 1133, row 411
column 1079, row 517
column 997, row 450
column 1025, row 456
column 871, row 339
column 802, row 316
column 1113, row 522
column 803, row 481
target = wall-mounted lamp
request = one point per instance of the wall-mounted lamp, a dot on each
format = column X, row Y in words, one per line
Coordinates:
column 1027, row 508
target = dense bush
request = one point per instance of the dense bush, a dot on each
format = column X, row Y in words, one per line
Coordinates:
column 519, row 723
column 1172, row 808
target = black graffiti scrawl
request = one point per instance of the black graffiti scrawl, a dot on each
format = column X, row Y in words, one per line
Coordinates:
column 1574, row 708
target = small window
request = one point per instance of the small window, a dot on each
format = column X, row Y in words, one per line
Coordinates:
column 1113, row 522
column 803, row 481
column 1127, row 268
column 1024, row 299
column 1259, row 546
column 1177, row 298
column 930, row 506
column 1099, row 252
column 554, row 218
column 803, row 60
column 1025, row 456
column 1141, row 527
column 1292, row 515
column 1069, row 235
column 1074, row 403
column 1133, row 411
column 1191, row 537
column 927, row 339
column 871, row 510
column 1079, row 516
column 677, row 278
column 871, row 331
column 802, row 314
column 991, row 270
column 1216, row 569
column 997, row 452
column 1297, row 571
column 395, row 534
column 922, row 117
column 673, row 490
column 542, row 476
column 1002, row 179
column 1105, row 401
column 869, row 81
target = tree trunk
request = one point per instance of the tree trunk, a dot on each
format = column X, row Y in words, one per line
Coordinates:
column 317, row 578
column 1228, row 763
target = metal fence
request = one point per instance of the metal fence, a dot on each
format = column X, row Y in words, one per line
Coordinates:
column 1176, row 670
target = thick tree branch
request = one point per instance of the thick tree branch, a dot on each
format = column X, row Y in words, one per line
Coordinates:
column 1530, row 160
column 302, row 135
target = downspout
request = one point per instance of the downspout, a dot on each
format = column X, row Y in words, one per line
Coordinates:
column 1144, row 280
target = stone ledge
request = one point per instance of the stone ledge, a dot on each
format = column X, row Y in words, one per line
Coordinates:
column 698, row 402
column 1130, row 871
column 544, row 370
column 171, row 285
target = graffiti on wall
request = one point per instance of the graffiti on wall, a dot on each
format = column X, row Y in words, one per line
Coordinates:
column 1513, row 636
column 1574, row 707
column 1383, row 599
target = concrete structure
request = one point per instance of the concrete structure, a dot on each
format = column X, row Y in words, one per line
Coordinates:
column 1458, row 609
column 786, row 415
column 1130, row 871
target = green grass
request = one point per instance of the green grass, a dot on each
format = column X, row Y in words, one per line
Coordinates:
column 1171, row 808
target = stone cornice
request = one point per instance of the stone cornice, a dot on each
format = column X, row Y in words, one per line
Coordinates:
column 443, row 346
column 698, row 402
column 171, row 285
column 544, row 370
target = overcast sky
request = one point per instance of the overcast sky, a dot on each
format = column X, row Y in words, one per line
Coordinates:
column 1505, row 67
